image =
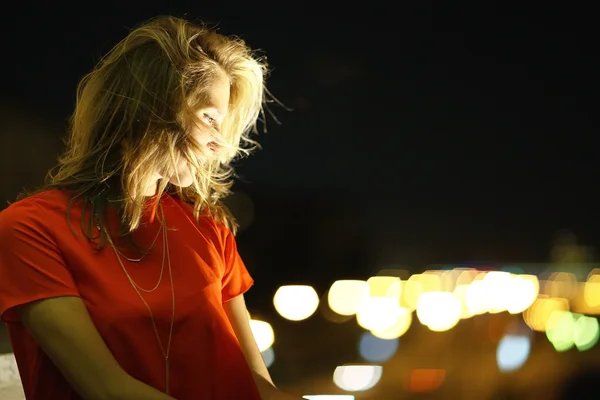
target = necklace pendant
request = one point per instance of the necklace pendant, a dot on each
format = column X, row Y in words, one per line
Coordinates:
column 167, row 375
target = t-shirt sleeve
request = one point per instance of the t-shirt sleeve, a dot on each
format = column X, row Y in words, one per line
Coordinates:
column 31, row 265
column 236, row 278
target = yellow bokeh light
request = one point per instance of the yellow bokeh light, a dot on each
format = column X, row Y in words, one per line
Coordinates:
column 561, row 284
column 466, row 276
column 378, row 313
column 412, row 290
column 460, row 292
column 475, row 297
column 384, row 286
column 448, row 279
column 439, row 311
column 431, row 281
column 345, row 296
column 591, row 291
column 537, row 316
column 296, row 302
column 496, row 289
column 398, row 328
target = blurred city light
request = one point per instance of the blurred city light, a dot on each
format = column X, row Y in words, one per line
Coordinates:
column 512, row 352
column 374, row 349
column 426, row 380
column 345, row 296
column 355, row 378
column 296, row 302
column 439, row 311
column 268, row 356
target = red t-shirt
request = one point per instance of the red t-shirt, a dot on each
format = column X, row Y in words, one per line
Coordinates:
column 41, row 256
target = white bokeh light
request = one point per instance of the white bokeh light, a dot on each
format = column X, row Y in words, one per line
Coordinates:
column 296, row 302
column 354, row 378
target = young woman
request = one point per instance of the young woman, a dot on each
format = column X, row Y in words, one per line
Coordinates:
column 120, row 279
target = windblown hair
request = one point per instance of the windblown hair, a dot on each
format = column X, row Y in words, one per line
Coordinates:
column 134, row 113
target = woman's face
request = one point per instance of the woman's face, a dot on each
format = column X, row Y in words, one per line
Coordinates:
column 212, row 114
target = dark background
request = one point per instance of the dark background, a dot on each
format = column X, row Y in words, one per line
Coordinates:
column 442, row 132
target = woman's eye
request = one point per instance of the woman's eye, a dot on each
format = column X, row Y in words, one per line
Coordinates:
column 210, row 119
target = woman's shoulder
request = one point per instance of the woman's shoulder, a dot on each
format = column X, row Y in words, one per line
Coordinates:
column 46, row 200
column 32, row 216
column 41, row 206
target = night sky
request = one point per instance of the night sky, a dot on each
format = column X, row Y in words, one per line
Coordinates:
column 441, row 133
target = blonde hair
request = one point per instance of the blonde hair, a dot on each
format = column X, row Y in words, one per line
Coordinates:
column 134, row 112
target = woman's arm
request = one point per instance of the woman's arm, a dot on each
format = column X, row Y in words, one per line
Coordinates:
column 64, row 330
column 238, row 317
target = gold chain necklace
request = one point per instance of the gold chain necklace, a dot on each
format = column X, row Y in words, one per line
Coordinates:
column 162, row 266
column 136, row 287
column 143, row 255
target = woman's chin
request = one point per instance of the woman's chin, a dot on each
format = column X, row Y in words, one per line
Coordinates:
column 182, row 181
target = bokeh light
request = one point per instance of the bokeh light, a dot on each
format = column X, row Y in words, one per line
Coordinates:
column 345, row 296
column 378, row 313
column 403, row 321
column 586, row 332
column 512, row 352
column 268, row 356
column 566, row 330
column 426, row 380
column 296, row 302
column 439, row 311
column 355, row 378
column 374, row 349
